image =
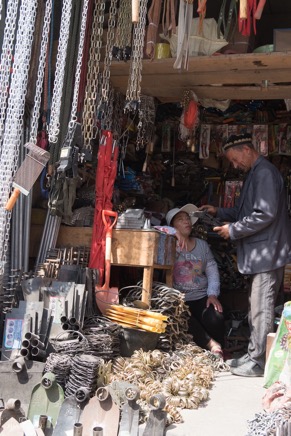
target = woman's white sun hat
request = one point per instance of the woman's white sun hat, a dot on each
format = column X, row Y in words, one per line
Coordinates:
column 188, row 208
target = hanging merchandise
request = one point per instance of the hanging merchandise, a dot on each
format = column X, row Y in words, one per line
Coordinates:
column 154, row 13
column 105, row 104
column 54, row 125
column 189, row 119
column 6, row 60
column 122, row 44
column 227, row 20
column 14, row 117
column 105, row 178
column 249, row 12
column 146, row 124
column 134, row 80
column 89, row 123
column 64, row 183
column 169, row 17
column 196, row 36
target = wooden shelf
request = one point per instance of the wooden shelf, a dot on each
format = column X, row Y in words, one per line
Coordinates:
column 238, row 76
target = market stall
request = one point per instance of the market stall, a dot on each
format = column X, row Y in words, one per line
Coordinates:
column 131, row 108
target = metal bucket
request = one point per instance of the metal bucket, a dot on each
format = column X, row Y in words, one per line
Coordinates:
column 134, row 339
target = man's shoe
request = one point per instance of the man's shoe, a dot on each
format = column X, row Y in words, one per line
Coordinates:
column 248, row 369
column 234, row 363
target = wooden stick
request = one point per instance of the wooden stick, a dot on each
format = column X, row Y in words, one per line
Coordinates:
column 135, row 11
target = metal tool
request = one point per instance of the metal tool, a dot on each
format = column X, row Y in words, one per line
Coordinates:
column 104, row 294
column 46, row 399
column 157, row 420
column 101, row 414
column 28, row 172
column 130, row 413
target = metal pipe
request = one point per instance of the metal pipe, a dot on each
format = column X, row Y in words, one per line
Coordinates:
column 25, row 352
column 78, row 429
column 18, row 364
column 28, row 204
column 36, row 343
column 98, row 431
column 25, row 343
column 29, row 336
column 42, row 422
column 14, row 404
column 37, row 352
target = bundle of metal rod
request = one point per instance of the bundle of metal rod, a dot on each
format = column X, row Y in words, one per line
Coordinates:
column 60, row 365
column 83, row 374
column 49, row 237
column 70, row 324
column 17, row 257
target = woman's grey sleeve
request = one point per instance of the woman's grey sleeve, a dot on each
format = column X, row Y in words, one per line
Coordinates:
column 212, row 275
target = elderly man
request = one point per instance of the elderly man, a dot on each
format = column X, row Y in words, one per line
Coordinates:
column 260, row 226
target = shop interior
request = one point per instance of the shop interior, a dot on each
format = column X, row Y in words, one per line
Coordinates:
column 164, row 121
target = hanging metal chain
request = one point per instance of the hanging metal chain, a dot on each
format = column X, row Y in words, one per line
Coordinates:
column 14, row 117
column 118, row 114
column 122, row 44
column 106, row 118
column 6, row 60
column 89, row 117
column 134, row 80
column 54, row 126
column 146, row 124
column 108, row 56
column 79, row 63
column 40, row 73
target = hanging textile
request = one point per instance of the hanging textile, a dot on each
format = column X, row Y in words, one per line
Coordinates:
column 105, row 178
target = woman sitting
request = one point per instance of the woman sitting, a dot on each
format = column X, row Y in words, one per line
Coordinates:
column 196, row 275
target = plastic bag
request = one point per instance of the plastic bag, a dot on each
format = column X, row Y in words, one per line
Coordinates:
column 278, row 366
column 206, row 43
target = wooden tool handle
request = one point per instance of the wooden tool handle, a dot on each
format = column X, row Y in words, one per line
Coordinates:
column 135, row 11
column 12, row 200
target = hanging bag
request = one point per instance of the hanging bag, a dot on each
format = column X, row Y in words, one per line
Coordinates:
column 278, row 366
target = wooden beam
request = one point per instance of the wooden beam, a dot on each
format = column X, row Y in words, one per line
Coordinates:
column 196, row 79
column 222, row 93
column 161, row 80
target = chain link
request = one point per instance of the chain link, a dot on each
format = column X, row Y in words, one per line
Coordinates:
column 79, row 62
column 14, row 117
column 40, row 73
column 146, row 124
column 122, row 44
column 105, row 94
column 54, row 126
column 134, row 81
column 89, row 117
column 6, row 60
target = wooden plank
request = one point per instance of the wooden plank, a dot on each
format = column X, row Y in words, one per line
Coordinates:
column 161, row 80
column 235, row 62
column 222, row 92
column 74, row 237
column 220, row 77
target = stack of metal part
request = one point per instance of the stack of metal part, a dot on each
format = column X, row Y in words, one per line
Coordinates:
column 83, row 374
column 59, row 259
column 275, row 423
column 169, row 302
column 103, row 337
column 60, row 365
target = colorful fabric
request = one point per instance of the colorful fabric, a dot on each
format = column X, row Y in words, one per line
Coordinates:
column 196, row 273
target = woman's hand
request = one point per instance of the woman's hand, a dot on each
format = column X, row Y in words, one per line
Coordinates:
column 182, row 241
column 215, row 302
